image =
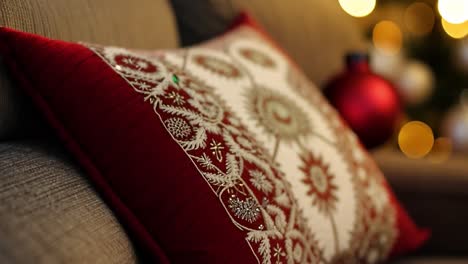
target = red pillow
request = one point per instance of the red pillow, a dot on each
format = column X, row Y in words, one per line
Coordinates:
column 218, row 153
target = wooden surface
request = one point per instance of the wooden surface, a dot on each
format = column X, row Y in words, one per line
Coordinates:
column 435, row 195
column 423, row 175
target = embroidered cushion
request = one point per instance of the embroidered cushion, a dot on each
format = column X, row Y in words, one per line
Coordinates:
column 218, row 153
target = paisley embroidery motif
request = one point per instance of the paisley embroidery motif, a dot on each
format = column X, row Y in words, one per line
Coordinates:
column 217, row 66
column 257, row 57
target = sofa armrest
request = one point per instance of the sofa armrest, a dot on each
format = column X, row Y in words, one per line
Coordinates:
column 50, row 213
column 435, row 195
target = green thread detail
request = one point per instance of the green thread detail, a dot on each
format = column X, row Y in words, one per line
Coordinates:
column 175, row 79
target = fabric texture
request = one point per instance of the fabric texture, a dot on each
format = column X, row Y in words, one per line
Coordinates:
column 113, row 22
column 222, row 152
column 49, row 213
column 303, row 27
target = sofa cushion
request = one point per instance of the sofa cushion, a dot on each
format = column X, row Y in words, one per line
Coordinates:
column 220, row 152
column 49, row 213
column 113, row 22
column 316, row 33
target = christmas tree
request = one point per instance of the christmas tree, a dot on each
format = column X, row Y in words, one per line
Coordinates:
column 422, row 47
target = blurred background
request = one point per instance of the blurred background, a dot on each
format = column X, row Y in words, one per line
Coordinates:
column 421, row 46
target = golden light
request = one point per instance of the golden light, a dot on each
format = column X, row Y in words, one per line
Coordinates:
column 419, row 18
column 441, row 150
column 387, row 37
column 456, row 31
column 387, row 65
column 358, row 8
column 453, row 11
column 415, row 82
column 415, row 139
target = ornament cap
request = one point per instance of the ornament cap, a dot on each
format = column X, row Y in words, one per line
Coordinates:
column 357, row 61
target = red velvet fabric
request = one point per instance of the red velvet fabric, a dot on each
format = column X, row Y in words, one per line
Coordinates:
column 143, row 174
column 151, row 184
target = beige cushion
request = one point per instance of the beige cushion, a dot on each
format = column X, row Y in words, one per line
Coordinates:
column 134, row 24
column 50, row 214
column 316, row 33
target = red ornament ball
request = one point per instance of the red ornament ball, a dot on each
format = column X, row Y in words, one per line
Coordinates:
column 366, row 101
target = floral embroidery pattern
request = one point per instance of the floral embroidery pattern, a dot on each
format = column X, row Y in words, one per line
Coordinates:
column 244, row 175
column 368, row 183
column 322, row 189
column 178, row 127
column 260, row 181
column 257, row 57
column 217, row 66
column 228, row 158
column 246, row 210
column 374, row 229
column 320, row 182
column 277, row 115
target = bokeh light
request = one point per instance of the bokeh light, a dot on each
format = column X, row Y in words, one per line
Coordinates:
column 457, row 31
column 453, row 11
column 419, row 18
column 387, row 65
column 415, row 139
column 441, row 150
column 415, row 82
column 358, row 8
column 387, row 37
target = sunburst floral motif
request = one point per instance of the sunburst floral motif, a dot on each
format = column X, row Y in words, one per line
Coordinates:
column 217, row 66
column 257, row 57
column 278, row 115
column 320, row 182
column 133, row 64
column 176, row 98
